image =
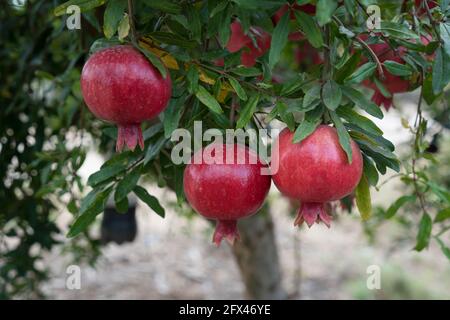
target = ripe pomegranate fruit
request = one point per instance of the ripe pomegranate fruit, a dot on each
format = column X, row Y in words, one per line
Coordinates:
column 120, row 85
column 226, row 191
column 239, row 40
column 315, row 171
column 393, row 84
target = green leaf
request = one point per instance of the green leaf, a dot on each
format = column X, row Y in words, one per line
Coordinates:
column 172, row 115
column 246, row 72
column 122, row 205
column 361, row 101
column 423, row 237
column 84, row 5
column 312, row 98
column 344, row 137
column 219, row 8
column 224, row 26
column 397, row 69
column 331, row 95
column 105, row 174
column 171, row 38
column 155, row 61
column 362, row 73
column 150, row 200
column 208, row 100
column 325, row 10
column 304, row 130
column 257, row 4
column 192, row 77
column 285, row 116
column 113, row 14
column 102, row 43
column 400, row 202
column 279, row 40
column 444, row 29
column 396, row 30
column 353, row 117
column 238, row 88
column 445, row 250
column 363, row 199
column 247, row 112
column 441, row 71
column 312, row 120
column 195, row 25
column 164, row 6
column 310, row 28
column 154, row 149
column 442, row 215
column 124, row 27
column 370, row 171
column 87, row 216
column 126, row 185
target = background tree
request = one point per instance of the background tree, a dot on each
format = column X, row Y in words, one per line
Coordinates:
column 320, row 66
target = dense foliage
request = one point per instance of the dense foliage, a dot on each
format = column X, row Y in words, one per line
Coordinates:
column 321, row 66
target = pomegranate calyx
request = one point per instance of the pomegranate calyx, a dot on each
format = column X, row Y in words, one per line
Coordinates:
column 226, row 229
column 129, row 135
column 311, row 212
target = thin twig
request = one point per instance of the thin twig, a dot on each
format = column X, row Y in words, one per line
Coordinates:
column 131, row 22
column 374, row 57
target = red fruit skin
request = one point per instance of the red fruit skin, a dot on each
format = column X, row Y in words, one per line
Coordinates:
column 306, row 54
column 239, row 40
column 226, row 192
column 120, row 85
column 315, row 171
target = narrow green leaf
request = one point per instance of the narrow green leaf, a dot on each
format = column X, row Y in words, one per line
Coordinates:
column 246, row 72
column 362, row 73
column 363, row 199
column 84, row 5
column 86, row 217
column 172, row 115
column 310, row 28
column 353, row 117
column 155, row 61
column 113, row 14
column 192, row 77
column 105, row 174
column 126, row 185
column 397, row 69
column 279, row 40
column 219, row 8
column 331, row 95
column 208, row 100
column 400, row 202
column 164, row 6
column 325, row 10
column 312, row 98
column 362, row 101
column 154, row 149
column 423, row 237
column 124, row 27
column 238, row 88
column 442, row 215
column 247, row 112
column 122, row 205
column 304, row 130
column 370, row 171
column 445, row 250
column 441, row 71
column 396, row 30
column 344, row 137
column 285, row 115
column 150, row 200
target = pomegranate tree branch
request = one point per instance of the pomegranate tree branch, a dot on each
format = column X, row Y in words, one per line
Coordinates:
column 131, row 22
column 373, row 55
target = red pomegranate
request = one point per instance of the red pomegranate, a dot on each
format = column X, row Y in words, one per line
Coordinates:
column 121, row 86
column 315, row 171
column 306, row 54
column 393, row 84
column 239, row 40
column 224, row 191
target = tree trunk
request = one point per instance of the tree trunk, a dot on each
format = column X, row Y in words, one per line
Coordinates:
column 257, row 257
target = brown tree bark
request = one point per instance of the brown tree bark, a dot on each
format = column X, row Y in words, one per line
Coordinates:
column 257, row 257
